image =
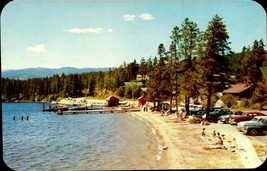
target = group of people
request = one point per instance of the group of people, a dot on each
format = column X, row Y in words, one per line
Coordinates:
column 216, row 140
column 22, row 117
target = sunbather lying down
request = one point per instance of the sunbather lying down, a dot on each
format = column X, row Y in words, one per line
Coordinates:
column 216, row 145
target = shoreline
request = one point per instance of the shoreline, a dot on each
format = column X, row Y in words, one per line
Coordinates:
column 166, row 142
column 184, row 145
column 243, row 155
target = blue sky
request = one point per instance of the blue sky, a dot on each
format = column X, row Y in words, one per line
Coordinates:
column 107, row 33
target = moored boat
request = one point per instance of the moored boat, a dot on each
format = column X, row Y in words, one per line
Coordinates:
column 55, row 108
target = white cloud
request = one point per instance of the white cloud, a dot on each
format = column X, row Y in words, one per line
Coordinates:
column 85, row 30
column 146, row 16
column 128, row 17
column 36, row 48
column 110, row 30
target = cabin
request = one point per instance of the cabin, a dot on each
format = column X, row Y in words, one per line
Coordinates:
column 240, row 90
column 140, row 81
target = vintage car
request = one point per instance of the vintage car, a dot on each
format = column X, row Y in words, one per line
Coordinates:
column 216, row 113
column 241, row 125
column 255, row 128
column 246, row 116
column 225, row 118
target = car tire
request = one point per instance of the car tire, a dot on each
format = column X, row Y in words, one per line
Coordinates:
column 253, row 132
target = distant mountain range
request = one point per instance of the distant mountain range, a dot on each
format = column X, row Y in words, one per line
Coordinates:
column 27, row 73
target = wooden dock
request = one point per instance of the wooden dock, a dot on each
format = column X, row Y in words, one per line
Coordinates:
column 98, row 111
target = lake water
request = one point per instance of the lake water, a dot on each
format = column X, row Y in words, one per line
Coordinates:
column 47, row 141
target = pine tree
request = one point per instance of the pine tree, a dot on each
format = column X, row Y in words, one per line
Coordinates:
column 143, row 71
column 188, row 46
column 216, row 54
column 175, row 36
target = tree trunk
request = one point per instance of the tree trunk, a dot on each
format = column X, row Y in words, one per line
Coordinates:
column 170, row 103
column 176, row 104
column 209, row 101
column 187, row 100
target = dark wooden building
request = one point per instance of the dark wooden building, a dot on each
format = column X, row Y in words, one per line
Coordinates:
column 239, row 90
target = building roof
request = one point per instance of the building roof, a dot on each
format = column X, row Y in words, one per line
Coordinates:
column 237, row 88
column 264, row 71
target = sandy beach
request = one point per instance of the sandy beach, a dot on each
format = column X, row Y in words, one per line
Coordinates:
column 184, row 145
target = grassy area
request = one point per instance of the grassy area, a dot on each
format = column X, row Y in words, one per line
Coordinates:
column 261, row 150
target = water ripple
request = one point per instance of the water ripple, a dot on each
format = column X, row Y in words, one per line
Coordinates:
column 77, row 142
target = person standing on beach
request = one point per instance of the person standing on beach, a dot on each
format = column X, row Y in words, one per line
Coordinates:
column 203, row 132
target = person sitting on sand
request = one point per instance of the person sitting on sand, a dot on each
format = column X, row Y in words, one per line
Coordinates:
column 223, row 136
column 216, row 137
column 217, row 145
column 203, row 134
column 220, row 141
column 218, row 134
column 214, row 134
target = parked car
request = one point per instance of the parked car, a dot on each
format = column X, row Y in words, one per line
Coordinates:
column 202, row 113
column 217, row 112
column 225, row 118
column 255, row 128
column 192, row 108
column 196, row 110
column 246, row 116
column 195, row 107
column 241, row 125
column 220, row 112
column 180, row 108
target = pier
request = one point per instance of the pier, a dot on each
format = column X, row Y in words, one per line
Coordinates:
column 98, row 111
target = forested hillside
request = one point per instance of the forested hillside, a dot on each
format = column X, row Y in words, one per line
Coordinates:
column 195, row 63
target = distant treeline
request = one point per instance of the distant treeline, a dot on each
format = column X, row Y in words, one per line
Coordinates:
column 96, row 84
column 195, row 63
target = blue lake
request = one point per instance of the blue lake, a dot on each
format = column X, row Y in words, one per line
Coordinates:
column 47, row 141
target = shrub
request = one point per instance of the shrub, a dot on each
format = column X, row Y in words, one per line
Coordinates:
column 246, row 103
column 120, row 92
column 257, row 106
column 229, row 100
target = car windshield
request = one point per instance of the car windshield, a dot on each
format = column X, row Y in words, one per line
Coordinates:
column 238, row 113
column 255, row 119
column 262, row 120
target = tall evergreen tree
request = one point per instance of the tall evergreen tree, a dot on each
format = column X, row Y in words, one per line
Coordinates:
column 217, row 52
column 153, row 83
column 176, row 37
column 188, row 46
column 143, row 70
